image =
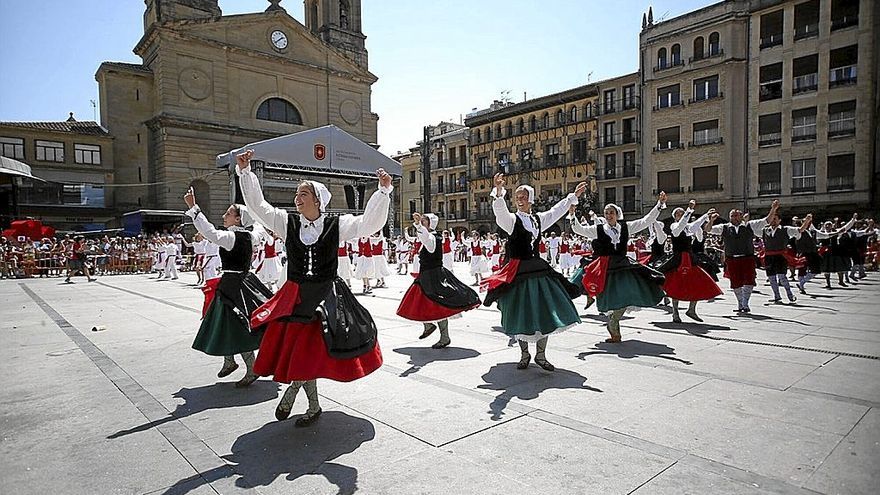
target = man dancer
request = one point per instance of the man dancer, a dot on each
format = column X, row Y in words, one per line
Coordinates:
column 776, row 239
column 553, row 245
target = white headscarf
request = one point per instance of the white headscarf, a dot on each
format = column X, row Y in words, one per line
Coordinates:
column 528, row 189
column 322, row 192
column 619, row 211
column 433, row 220
column 679, row 209
column 246, row 219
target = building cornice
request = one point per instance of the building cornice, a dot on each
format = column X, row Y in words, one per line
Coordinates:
column 541, row 103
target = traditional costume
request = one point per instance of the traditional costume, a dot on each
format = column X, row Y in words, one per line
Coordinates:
column 739, row 257
column 343, row 266
column 776, row 241
column 479, row 265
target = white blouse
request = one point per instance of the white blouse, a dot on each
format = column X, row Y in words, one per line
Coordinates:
column 634, row 226
column 506, row 220
column 222, row 238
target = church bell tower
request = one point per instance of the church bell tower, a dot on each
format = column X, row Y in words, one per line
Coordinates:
column 173, row 10
column 338, row 23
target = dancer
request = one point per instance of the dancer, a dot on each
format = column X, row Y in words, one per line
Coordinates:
column 495, row 250
column 479, row 265
column 699, row 228
column 436, row 294
column 776, row 239
column 739, row 252
column 314, row 326
column 198, row 246
column 535, row 300
column 343, row 262
column 380, row 259
column 365, row 269
column 565, row 255
column 171, row 254
column 833, row 254
column 448, row 254
column 225, row 329
column 269, row 268
column 617, row 281
column 685, row 279
column 76, row 261
column 553, row 248
column 401, row 249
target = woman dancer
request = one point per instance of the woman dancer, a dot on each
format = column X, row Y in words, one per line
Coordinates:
column 534, row 299
column 436, row 294
column 380, row 259
column 343, row 267
column 479, row 265
column 613, row 278
column 315, row 328
column 225, row 329
column 365, row 269
column 685, row 280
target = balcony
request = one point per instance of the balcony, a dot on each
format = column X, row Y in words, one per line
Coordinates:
column 803, row 185
column 624, row 172
column 845, row 22
column 771, row 40
column 770, row 139
column 708, row 55
column 706, row 141
column 533, row 164
column 455, row 216
column 664, row 105
column 706, row 187
column 806, row 31
column 770, row 90
column 719, row 94
column 669, row 65
column 482, row 173
column 805, row 83
column 805, row 133
column 842, row 127
column 771, row 188
column 619, row 105
column 448, row 188
column 669, row 190
column 843, row 183
column 618, row 139
column 482, row 215
column 842, row 76
column 668, row 147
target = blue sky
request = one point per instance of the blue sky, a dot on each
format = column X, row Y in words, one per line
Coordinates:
column 436, row 60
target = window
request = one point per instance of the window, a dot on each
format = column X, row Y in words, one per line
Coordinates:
column 509, row 129
column 668, row 96
column 706, row 88
column 463, row 207
column 629, row 164
column 452, row 160
column 278, row 110
column 462, row 183
column 629, row 198
column 770, row 129
column 610, row 195
column 488, row 134
column 841, row 172
column 440, row 208
column 498, row 134
column 668, row 138
column 520, row 126
column 610, row 166
column 629, row 132
column 608, row 136
column 545, row 121
column 803, row 124
column 478, row 136
column 805, row 71
column 842, row 119
column 705, row 178
column 769, row 178
column 608, row 101
column 771, row 82
column 412, row 176
column 843, row 66
column 588, row 110
column 525, row 156
column 714, row 44
column 12, row 148
column 676, row 54
column 573, row 114
column 533, row 123
column 87, row 154
column 560, row 117
column 579, row 150
column 771, row 29
column 803, row 175
column 699, row 50
column 440, row 184
column 668, row 181
column 440, row 159
column 661, row 58
column 551, row 155
column 844, row 13
column 412, row 206
column 629, row 96
column 50, row 151
column 462, row 155
column 51, row 193
column 706, row 133
column 483, row 168
column 806, row 19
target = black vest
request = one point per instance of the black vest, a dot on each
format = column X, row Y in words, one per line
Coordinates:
column 657, row 249
column 239, row 257
column 681, row 243
column 806, row 243
column 522, row 245
column 698, row 246
column 315, row 263
column 602, row 245
column 775, row 241
column 738, row 244
column 432, row 260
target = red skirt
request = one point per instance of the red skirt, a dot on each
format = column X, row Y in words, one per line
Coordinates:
column 293, row 351
column 689, row 282
column 210, row 289
column 416, row 306
column 740, row 271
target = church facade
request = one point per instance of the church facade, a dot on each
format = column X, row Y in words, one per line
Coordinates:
column 209, row 83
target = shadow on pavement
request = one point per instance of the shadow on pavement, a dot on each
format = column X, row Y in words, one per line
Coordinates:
column 217, row 396
column 279, row 448
column 692, row 328
column 629, row 349
column 421, row 356
column 537, row 381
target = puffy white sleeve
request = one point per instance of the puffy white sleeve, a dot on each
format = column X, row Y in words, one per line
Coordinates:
column 793, row 232
column 588, row 231
column 222, row 238
column 273, row 218
column 636, row 226
column 374, row 217
column 697, row 225
column 548, row 218
column 428, row 241
column 679, row 226
column 504, row 218
column 658, row 231
column 757, row 226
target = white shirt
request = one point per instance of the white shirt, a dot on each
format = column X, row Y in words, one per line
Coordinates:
column 211, row 249
column 199, row 247
column 506, row 220
column 275, row 219
column 171, row 249
column 634, row 226
column 657, row 232
column 426, row 237
column 553, row 243
column 757, row 227
column 792, row 231
column 223, row 238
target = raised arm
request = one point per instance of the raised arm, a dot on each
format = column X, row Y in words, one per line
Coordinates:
column 680, row 226
column 588, row 231
column 636, row 226
column 275, row 219
column 550, row 217
column 758, row 225
column 429, row 242
column 375, row 212
column 503, row 217
column 222, row 238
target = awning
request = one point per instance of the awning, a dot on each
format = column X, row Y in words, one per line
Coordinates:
column 326, row 150
column 9, row 166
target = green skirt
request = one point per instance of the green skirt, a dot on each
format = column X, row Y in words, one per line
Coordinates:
column 224, row 333
column 625, row 288
column 536, row 307
column 577, row 278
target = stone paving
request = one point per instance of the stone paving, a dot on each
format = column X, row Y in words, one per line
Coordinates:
column 782, row 401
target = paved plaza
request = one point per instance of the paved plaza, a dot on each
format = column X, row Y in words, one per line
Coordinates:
column 782, row 401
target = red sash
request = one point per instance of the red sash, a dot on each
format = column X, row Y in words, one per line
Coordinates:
column 594, row 276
